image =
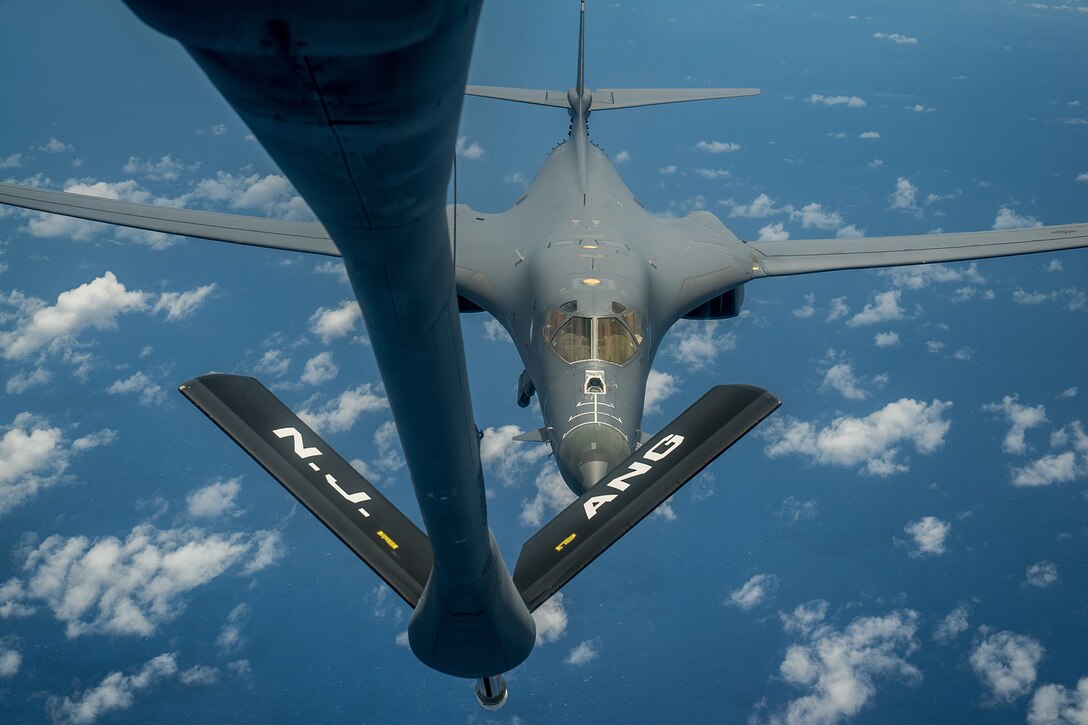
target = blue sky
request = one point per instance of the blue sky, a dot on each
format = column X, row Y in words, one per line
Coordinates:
column 903, row 541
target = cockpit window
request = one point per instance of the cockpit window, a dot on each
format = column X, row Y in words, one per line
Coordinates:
column 615, row 343
column 574, row 341
column 611, row 339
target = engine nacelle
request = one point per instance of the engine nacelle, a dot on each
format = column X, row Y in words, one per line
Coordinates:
column 721, row 307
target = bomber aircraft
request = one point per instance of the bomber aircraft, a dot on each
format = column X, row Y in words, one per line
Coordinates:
column 359, row 105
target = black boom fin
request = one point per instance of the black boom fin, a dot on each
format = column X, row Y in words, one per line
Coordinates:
column 608, row 510
column 384, row 538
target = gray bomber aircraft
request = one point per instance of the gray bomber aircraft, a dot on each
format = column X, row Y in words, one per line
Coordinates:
column 359, row 105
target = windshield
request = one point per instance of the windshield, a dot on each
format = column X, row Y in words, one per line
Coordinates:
column 596, row 338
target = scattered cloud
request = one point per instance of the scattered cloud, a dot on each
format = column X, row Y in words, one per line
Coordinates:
column 886, row 339
column 179, row 305
column 754, row 591
column 1008, row 219
column 717, row 147
column 953, row 624
column 839, row 669
column 807, row 310
column 10, row 660
column 775, row 232
column 96, row 304
column 869, row 134
column 199, row 675
column 34, row 455
column 320, row 369
column 761, row 207
column 583, row 654
column 668, row 170
column 871, row 442
column 273, row 362
column 904, row 198
column 130, row 587
column 659, row 387
column 23, row 381
column 165, row 169
column 148, row 391
column 214, row 500
column 794, row 509
column 837, row 309
column 471, row 151
column 14, row 161
column 814, row 215
column 340, row 413
column 495, row 332
column 695, row 343
column 897, row 38
column 712, row 174
column 849, row 101
column 510, row 459
column 1056, row 704
column 551, row 620
column 1042, row 574
column 623, row 157
column 1006, row 664
column 840, row 377
column 329, row 324
column 923, row 275
column 231, row 635
column 1021, row 417
column 1072, row 298
column 884, row 307
column 116, row 691
column 929, row 534
column 919, row 108
column 552, row 496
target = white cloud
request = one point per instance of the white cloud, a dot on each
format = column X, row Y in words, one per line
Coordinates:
column 14, row 161
column 668, row 170
column 1048, row 470
column 929, row 534
column 904, row 196
column 130, row 587
column 1070, row 392
column 552, row 496
column 1006, row 663
column 837, row 309
column 694, row 342
column 1074, row 297
column 273, row 362
column 717, row 147
column 271, row 195
column 231, row 636
column 1042, row 574
column 761, row 207
column 495, row 332
column 1083, row 176
column 1055, row 265
column 96, row 304
column 199, row 675
column 659, row 387
column 1057, row 705
column 150, row 393
column 849, row 101
column 922, row 275
column 794, row 509
column 754, row 591
column 471, row 151
column 214, row 500
column 13, row 600
column 807, row 310
column 165, row 169
column 551, row 620
column 623, row 157
column 814, row 215
column 897, row 38
column 885, row 307
column 33, row 456
column 850, row 231
column 869, row 134
column 179, row 305
column 340, row 413
column 840, row 377
column 329, row 324
column 839, row 669
column 320, row 369
column 712, row 174
column 56, row 225
column 10, row 661
column 1021, row 417
column 886, row 339
column 775, row 232
column 22, row 382
column 1008, row 219
column 583, row 654
column 871, row 442
column 919, row 108
column 500, row 453
column 953, row 624
column 56, row 146
column 116, row 691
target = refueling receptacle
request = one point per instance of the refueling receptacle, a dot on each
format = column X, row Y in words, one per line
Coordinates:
column 491, row 692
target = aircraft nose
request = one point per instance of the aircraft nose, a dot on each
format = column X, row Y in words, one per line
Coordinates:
column 589, row 452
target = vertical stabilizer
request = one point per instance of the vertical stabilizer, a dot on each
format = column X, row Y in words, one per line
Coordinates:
column 580, row 86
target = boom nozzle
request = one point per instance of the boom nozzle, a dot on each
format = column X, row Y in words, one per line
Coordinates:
column 491, row 692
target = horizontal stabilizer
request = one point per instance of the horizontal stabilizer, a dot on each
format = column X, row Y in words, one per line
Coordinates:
column 605, row 99
column 349, row 505
column 608, row 510
column 540, row 435
column 236, row 228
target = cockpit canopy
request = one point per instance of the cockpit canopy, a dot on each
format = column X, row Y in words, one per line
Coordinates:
column 612, row 338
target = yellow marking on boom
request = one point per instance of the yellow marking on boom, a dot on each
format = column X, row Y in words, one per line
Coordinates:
column 565, row 541
column 385, row 537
